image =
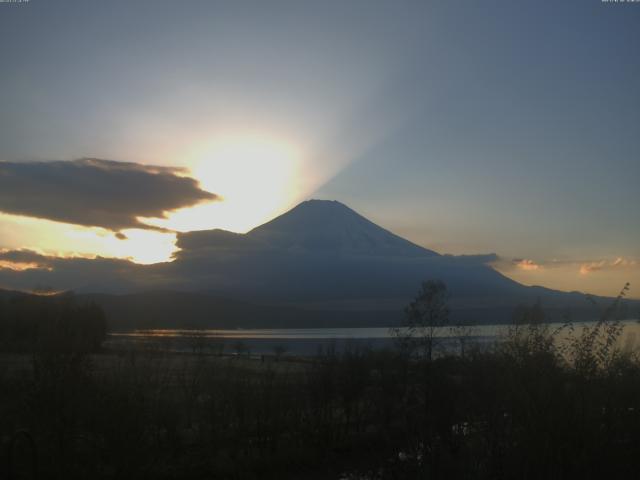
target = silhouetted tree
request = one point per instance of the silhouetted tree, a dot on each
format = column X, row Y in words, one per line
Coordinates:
column 423, row 316
column 240, row 347
column 462, row 332
column 279, row 351
column 530, row 334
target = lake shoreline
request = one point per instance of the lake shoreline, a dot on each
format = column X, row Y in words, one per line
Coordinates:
column 310, row 341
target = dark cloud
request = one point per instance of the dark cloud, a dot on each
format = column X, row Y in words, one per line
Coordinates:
column 233, row 264
column 22, row 256
column 76, row 273
column 479, row 259
column 216, row 238
column 96, row 193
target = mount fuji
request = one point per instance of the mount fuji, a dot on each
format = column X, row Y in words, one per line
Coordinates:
column 319, row 264
column 323, row 264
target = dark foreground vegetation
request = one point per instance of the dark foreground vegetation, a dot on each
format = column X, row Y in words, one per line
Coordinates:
column 531, row 407
column 30, row 323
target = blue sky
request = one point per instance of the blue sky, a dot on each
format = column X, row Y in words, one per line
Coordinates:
column 469, row 127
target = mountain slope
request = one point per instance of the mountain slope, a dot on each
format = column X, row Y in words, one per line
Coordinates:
column 319, row 264
column 324, row 256
column 321, row 251
column 330, row 226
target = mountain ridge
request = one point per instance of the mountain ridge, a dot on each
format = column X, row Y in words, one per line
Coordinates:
column 320, row 226
column 331, row 225
column 321, row 264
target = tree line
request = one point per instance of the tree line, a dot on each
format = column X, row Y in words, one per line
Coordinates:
column 50, row 322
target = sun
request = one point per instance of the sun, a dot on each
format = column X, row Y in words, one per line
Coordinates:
column 256, row 177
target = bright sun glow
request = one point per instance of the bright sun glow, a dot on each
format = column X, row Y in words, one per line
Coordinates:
column 64, row 240
column 256, row 176
column 140, row 246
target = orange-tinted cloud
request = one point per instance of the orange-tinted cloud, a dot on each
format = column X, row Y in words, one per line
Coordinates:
column 17, row 266
column 526, row 264
column 589, row 267
column 20, row 260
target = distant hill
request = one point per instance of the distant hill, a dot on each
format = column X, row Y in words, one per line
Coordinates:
column 186, row 310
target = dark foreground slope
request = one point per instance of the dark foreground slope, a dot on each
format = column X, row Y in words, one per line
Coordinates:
column 517, row 412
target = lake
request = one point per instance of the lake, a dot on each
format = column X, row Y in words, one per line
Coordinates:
column 309, row 341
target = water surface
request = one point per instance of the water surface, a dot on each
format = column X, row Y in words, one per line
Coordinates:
column 308, row 341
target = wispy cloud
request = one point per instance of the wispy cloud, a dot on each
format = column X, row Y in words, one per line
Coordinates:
column 618, row 263
column 22, row 269
column 526, row 264
column 583, row 266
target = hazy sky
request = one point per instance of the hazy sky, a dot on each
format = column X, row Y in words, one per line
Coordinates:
column 468, row 127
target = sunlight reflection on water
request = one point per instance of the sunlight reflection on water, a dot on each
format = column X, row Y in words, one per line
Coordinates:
column 631, row 328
